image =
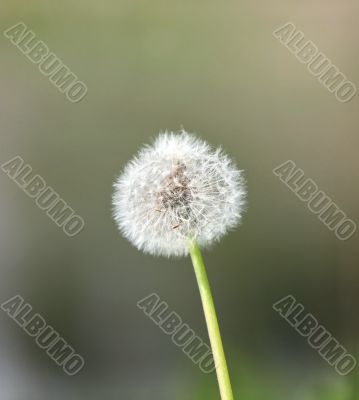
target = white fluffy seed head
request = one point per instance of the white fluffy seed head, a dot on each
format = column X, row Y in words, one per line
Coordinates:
column 177, row 189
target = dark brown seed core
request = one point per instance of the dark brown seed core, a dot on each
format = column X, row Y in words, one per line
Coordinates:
column 176, row 193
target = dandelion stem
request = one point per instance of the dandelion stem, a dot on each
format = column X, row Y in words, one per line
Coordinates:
column 224, row 382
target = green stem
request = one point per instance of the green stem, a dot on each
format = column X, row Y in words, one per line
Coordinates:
column 224, row 382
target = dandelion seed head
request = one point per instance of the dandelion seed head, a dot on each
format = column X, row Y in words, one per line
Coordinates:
column 176, row 189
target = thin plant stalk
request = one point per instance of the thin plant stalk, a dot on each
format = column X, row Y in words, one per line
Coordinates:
column 224, row 382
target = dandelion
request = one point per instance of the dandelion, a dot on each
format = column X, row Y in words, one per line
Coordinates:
column 175, row 190
column 175, row 197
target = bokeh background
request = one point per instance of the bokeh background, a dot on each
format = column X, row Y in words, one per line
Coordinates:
column 213, row 68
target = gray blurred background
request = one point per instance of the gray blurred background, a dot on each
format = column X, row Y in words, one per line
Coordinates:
column 215, row 69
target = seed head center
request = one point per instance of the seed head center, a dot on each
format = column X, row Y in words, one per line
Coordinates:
column 176, row 193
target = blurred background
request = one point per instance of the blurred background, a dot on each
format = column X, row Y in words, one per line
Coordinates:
column 215, row 69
